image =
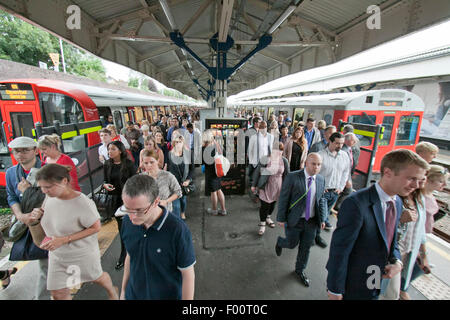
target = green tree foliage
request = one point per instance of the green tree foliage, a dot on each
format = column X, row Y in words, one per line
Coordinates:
column 133, row 82
column 21, row 42
column 24, row 43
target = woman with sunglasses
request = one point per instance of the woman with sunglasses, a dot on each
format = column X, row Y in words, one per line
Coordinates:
column 436, row 181
column 169, row 189
column 179, row 162
column 71, row 222
column 117, row 169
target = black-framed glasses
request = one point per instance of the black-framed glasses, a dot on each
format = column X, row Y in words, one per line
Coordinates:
column 139, row 212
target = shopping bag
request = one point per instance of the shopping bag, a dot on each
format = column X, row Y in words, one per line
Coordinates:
column 222, row 165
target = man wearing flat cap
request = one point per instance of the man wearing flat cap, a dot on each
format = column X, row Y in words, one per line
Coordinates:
column 24, row 150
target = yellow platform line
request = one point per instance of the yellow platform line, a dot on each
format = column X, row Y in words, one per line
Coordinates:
column 441, row 252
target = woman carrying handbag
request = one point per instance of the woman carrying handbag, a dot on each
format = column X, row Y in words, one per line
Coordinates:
column 117, row 169
column 179, row 166
column 267, row 181
column 70, row 222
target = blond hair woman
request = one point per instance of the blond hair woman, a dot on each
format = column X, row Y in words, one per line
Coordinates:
column 50, row 146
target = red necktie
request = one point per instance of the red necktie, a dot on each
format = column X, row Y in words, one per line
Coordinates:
column 390, row 222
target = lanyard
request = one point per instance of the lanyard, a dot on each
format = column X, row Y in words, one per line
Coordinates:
column 292, row 205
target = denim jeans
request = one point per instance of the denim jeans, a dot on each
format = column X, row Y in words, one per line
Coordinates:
column 331, row 197
column 179, row 206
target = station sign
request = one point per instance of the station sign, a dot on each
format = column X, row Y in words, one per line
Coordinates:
column 16, row 91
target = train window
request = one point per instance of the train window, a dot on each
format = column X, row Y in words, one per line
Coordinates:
column 298, row 115
column 388, row 124
column 60, row 107
column 407, row 131
column 118, row 120
column 363, row 119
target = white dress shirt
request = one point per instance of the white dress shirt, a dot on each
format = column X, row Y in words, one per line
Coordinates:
column 384, row 197
column 103, row 151
column 335, row 169
column 313, row 195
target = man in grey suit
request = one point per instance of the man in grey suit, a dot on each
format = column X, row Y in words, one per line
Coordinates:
column 302, row 210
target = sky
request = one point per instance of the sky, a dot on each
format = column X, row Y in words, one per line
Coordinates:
column 119, row 72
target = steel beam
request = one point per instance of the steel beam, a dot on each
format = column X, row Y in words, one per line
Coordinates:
column 104, row 41
column 225, row 17
column 274, row 57
column 154, row 54
column 195, row 17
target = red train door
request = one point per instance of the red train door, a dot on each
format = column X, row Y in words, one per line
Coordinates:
column 20, row 118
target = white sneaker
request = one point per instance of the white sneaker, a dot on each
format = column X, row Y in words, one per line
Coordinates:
column 223, row 212
column 211, row 211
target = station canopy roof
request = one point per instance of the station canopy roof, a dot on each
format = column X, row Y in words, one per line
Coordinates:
column 424, row 53
column 306, row 34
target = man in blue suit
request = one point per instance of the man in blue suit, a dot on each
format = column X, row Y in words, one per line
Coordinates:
column 364, row 245
column 302, row 210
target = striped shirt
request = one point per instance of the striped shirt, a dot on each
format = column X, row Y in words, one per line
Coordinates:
column 335, row 169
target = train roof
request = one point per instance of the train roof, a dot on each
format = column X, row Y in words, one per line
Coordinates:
column 374, row 99
column 107, row 96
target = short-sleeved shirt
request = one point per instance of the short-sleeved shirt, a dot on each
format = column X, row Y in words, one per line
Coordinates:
column 65, row 160
column 157, row 256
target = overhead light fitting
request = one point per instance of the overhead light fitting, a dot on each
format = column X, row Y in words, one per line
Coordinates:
column 281, row 19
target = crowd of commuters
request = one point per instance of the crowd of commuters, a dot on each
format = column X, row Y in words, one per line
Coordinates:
column 305, row 171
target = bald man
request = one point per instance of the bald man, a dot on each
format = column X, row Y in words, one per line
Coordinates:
column 302, row 210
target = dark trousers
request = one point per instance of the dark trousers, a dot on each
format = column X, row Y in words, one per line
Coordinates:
column 123, row 251
column 331, row 197
column 192, row 165
column 304, row 232
column 344, row 194
column 266, row 210
column 117, row 204
column 251, row 168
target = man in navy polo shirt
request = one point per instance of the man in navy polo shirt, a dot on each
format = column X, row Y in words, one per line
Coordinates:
column 160, row 254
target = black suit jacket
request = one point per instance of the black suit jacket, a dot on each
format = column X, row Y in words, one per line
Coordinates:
column 359, row 242
column 294, row 187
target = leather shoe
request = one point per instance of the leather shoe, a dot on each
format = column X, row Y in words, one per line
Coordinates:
column 119, row 265
column 278, row 250
column 320, row 242
column 303, row 278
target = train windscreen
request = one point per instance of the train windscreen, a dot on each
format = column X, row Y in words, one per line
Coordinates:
column 407, row 131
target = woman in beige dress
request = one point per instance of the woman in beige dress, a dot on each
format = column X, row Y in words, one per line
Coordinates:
column 70, row 221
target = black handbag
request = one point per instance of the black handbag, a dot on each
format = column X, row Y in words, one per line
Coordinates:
column 187, row 190
column 105, row 203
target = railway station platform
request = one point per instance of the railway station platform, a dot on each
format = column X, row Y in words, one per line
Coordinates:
column 234, row 262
